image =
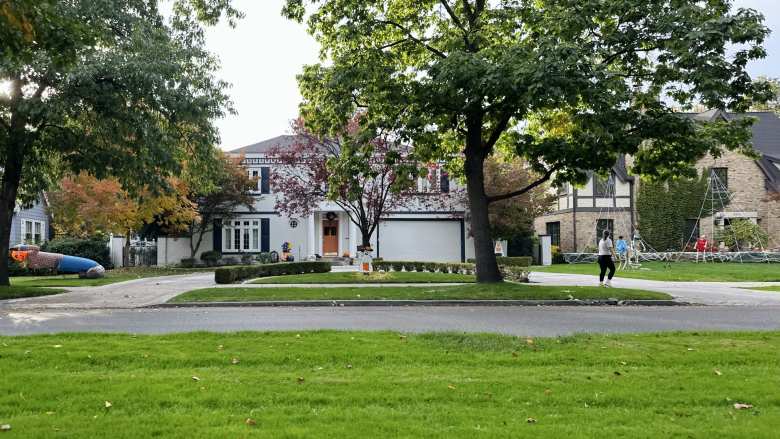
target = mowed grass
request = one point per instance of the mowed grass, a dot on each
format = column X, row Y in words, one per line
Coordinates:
column 775, row 289
column 371, row 278
column 16, row 292
column 358, row 385
column 112, row 276
column 682, row 271
column 502, row 291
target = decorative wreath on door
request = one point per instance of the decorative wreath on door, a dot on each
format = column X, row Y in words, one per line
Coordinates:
column 330, row 216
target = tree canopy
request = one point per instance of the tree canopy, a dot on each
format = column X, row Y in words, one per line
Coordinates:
column 569, row 84
column 109, row 87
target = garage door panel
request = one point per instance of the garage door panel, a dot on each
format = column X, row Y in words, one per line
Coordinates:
column 420, row 240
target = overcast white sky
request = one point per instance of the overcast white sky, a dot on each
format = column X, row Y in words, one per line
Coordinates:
column 264, row 53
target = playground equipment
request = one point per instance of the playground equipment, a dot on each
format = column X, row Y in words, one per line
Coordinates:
column 36, row 259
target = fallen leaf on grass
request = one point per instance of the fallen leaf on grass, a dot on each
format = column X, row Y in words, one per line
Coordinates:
column 220, row 347
column 547, row 391
column 301, row 380
column 108, row 404
column 250, row 421
column 451, row 387
column 234, row 361
column 194, row 378
column 741, row 406
column 717, row 372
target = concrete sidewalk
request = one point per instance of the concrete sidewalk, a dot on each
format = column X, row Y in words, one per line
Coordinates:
column 705, row 293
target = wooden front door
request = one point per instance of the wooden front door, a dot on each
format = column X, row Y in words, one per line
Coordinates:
column 330, row 238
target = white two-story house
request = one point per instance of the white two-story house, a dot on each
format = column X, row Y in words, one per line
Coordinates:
column 410, row 233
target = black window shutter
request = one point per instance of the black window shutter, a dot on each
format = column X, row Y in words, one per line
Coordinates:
column 265, row 184
column 444, row 182
column 265, row 234
column 217, row 235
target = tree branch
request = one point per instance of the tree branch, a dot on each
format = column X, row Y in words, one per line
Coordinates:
column 410, row 36
column 547, row 175
column 498, row 130
column 456, row 21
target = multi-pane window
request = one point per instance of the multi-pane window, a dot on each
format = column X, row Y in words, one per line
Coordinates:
column 554, row 230
column 603, row 187
column 245, row 235
column 33, row 231
column 437, row 181
column 719, row 179
column 263, row 177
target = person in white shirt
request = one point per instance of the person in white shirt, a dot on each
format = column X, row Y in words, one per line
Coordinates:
column 606, row 253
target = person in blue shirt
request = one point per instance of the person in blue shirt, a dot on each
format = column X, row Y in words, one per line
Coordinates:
column 622, row 251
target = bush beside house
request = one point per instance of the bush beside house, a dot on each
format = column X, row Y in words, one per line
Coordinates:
column 95, row 248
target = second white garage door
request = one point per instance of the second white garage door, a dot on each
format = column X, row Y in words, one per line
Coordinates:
column 420, row 240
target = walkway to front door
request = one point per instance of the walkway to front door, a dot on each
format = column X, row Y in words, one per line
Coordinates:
column 330, row 238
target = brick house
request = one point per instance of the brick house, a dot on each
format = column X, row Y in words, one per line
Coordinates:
column 581, row 213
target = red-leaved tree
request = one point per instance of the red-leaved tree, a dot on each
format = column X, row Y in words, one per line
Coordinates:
column 367, row 178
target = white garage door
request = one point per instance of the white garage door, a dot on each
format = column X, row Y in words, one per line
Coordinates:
column 419, row 240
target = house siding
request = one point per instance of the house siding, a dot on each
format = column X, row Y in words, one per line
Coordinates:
column 35, row 213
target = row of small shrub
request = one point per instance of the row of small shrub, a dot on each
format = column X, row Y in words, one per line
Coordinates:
column 229, row 275
column 514, row 274
column 430, row 267
column 511, row 261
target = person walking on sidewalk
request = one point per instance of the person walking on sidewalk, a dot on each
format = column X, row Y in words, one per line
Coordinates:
column 606, row 253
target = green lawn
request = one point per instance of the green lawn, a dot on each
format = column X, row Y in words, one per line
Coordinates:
column 682, row 271
column 17, row 292
column 112, row 276
column 371, row 278
column 473, row 291
column 772, row 289
column 357, row 385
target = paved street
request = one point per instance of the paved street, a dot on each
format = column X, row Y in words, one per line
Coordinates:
column 120, row 308
column 535, row 321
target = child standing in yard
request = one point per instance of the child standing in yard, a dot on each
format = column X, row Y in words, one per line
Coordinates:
column 622, row 252
column 606, row 251
column 701, row 247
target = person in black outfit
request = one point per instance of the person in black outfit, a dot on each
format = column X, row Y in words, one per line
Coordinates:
column 606, row 253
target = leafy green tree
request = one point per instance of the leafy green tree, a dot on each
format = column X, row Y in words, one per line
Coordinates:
column 109, row 87
column 599, row 77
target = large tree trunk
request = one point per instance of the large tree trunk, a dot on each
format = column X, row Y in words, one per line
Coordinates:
column 487, row 266
column 12, row 175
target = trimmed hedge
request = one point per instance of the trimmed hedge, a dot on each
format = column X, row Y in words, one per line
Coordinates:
column 92, row 248
column 211, row 258
column 229, row 275
column 430, row 267
column 511, row 261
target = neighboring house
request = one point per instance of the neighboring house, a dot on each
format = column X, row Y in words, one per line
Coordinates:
column 580, row 214
column 31, row 225
column 411, row 233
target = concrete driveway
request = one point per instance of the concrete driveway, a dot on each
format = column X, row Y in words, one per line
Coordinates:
column 130, row 294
